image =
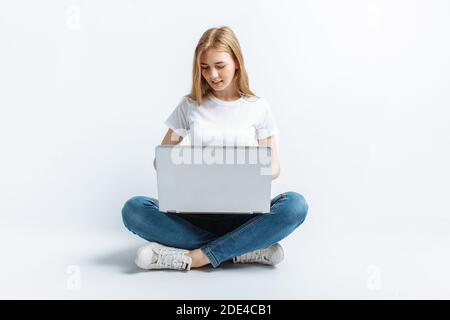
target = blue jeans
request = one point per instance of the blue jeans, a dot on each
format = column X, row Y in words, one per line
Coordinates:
column 221, row 237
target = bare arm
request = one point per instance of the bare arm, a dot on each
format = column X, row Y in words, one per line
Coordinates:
column 171, row 138
column 271, row 142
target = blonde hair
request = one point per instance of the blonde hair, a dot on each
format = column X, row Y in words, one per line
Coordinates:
column 222, row 39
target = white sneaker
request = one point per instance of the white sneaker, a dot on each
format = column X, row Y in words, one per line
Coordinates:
column 156, row 256
column 270, row 256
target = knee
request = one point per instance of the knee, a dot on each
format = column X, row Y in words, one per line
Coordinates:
column 131, row 212
column 297, row 208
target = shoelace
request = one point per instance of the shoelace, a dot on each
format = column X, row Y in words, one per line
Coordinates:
column 172, row 260
column 254, row 256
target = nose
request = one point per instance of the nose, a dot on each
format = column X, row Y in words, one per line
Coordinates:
column 213, row 73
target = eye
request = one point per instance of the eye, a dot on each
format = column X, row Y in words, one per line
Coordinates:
column 220, row 67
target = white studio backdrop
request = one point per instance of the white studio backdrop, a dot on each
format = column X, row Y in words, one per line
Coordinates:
column 359, row 90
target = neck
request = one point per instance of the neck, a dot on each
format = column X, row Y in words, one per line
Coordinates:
column 229, row 94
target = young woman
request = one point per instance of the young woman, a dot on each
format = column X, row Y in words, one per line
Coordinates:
column 220, row 110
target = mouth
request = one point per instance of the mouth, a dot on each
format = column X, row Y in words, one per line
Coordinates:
column 216, row 83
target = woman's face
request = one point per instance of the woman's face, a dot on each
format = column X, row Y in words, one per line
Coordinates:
column 218, row 69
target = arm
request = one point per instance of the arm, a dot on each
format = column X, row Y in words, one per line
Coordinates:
column 171, row 138
column 271, row 142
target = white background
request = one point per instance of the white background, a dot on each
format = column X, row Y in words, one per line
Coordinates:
column 360, row 92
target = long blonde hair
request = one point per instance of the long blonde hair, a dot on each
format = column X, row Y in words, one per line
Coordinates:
column 222, row 39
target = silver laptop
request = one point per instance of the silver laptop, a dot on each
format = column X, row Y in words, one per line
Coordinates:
column 214, row 179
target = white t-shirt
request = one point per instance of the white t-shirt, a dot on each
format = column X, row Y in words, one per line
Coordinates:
column 223, row 123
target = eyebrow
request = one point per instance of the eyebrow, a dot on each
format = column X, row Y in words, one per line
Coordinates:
column 218, row 62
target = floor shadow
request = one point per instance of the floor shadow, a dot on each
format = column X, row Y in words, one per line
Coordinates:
column 121, row 259
column 255, row 267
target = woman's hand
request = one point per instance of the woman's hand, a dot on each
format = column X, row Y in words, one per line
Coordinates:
column 171, row 138
column 271, row 142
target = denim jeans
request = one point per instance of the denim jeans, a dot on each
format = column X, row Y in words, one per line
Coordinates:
column 221, row 237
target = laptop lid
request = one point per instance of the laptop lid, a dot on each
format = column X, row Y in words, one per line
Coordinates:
column 214, row 179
